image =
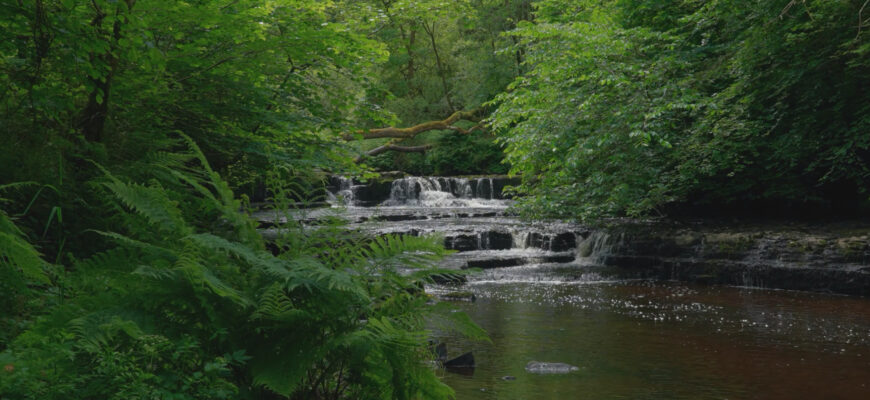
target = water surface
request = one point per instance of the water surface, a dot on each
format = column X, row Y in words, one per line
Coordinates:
column 644, row 340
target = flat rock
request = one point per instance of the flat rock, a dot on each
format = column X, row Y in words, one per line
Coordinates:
column 537, row 367
column 464, row 361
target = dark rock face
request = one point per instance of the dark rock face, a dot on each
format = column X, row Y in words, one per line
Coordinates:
column 487, row 240
column 373, row 193
column 824, row 260
column 448, row 279
column 363, row 194
column 501, row 262
column 563, row 242
column 462, row 242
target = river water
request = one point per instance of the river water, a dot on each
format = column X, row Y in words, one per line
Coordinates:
column 664, row 340
column 540, row 300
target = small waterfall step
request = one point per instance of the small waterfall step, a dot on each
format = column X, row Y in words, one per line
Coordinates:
column 545, row 273
column 486, row 259
column 420, row 191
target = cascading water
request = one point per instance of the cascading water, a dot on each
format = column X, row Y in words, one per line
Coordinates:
column 344, row 193
column 445, row 192
column 470, row 213
column 595, row 249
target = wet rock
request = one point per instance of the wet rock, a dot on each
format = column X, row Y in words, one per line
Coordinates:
column 439, row 350
column 399, row 217
column 448, row 279
column 563, row 242
column 498, row 262
column 501, row 262
column 459, row 296
column 537, row 367
column 462, row 242
column 464, row 361
column 494, row 240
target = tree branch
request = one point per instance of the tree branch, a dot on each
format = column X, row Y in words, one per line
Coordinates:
column 409, row 132
column 394, row 147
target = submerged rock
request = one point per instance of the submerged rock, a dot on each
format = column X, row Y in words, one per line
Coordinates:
column 464, row 361
column 439, row 350
column 537, row 367
column 459, row 296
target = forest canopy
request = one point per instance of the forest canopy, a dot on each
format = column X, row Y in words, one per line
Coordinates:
column 644, row 107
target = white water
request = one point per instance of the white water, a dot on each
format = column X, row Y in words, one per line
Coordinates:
column 435, row 192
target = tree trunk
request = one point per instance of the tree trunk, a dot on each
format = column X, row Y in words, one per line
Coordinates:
column 96, row 111
column 441, row 72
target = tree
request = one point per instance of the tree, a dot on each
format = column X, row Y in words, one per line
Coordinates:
column 652, row 106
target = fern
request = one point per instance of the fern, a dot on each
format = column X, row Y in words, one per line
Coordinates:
column 150, row 202
column 17, row 253
column 405, row 251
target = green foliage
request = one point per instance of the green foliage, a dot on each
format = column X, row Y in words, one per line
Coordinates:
column 451, row 154
column 636, row 107
column 188, row 303
column 443, row 57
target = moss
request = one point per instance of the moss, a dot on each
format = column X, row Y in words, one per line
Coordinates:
column 730, row 243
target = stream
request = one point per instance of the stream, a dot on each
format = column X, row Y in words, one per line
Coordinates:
column 540, row 299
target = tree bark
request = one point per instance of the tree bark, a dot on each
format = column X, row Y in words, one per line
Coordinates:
column 409, row 132
column 441, row 71
column 96, row 111
column 393, row 147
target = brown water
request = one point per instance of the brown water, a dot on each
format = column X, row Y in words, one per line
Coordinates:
column 643, row 340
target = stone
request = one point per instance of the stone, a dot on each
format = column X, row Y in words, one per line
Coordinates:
column 440, row 351
column 508, row 378
column 494, row 240
column 563, row 242
column 462, row 243
column 537, row 367
column 448, row 279
column 464, row 361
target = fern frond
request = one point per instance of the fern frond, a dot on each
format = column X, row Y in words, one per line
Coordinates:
column 406, row 251
column 190, row 267
column 447, row 318
column 126, row 240
column 275, row 305
column 16, row 252
column 150, row 202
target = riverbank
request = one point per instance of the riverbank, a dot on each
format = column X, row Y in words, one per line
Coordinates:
column 817, row 257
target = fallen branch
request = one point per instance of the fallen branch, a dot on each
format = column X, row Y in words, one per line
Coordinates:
column 409, row 132
column 393, row 147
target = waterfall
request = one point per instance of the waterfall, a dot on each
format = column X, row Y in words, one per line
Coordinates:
column 520, row 239
column 595, row 249
column 344, row 191
column 443, row 192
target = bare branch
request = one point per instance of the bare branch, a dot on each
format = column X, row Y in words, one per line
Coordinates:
column 393, row 147
column 409, row 132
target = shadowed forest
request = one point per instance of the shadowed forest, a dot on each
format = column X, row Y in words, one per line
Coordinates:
column 139, row 136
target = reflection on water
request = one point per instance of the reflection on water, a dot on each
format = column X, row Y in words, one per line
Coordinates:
column 642, row 340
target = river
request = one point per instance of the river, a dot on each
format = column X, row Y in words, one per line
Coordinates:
column 540, row 300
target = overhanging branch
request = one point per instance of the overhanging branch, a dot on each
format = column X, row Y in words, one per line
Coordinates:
column 409, row 132
column 394, row 147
